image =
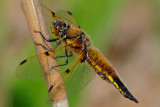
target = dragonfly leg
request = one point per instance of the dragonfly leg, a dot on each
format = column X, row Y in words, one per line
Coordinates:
column 66, row 55
column 71, row 54
column 48, row 49
column 48, row 40
column 56, row 46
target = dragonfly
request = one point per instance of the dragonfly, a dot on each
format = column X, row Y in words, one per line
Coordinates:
column 79, row 61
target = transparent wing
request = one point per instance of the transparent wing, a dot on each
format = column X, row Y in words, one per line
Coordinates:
column 81, row 76
column 76, row 77
column 76, row 74
column 30, row 68
column 67, row 15
column 51, row 16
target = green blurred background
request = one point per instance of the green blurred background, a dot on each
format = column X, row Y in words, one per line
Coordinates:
column 125, row 31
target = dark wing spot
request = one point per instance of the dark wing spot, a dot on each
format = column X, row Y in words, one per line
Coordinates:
column 53, row 14
column 46, row 53
column 79, row 27
column 67, row 71
column 23, row 62
column 69, row 13
column 50, row 88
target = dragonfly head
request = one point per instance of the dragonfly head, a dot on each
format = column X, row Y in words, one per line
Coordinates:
column 57, row 27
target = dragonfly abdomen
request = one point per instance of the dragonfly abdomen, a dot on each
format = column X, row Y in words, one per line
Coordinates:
column 107, row 72
column 98, row 62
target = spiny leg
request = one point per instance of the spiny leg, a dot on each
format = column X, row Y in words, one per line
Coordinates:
column 48, row 49
column 71, row 54
column 66, row 55
column 48, row 40
column 58, row 43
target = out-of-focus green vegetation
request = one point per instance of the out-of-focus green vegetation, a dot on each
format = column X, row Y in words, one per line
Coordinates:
column 97, row 18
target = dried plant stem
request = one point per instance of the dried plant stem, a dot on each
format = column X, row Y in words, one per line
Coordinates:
column 35, row 19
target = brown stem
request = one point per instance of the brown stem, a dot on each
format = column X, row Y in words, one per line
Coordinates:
column 35, row 19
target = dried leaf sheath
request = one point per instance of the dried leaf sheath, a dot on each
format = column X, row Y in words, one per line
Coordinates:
column 35, row 19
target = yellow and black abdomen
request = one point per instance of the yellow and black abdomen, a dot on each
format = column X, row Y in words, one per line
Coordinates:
column 107, row 72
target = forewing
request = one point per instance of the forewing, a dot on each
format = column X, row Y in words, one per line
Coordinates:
column 76, row 77
column 67, row 15
column 79, row 75
column 30, row 68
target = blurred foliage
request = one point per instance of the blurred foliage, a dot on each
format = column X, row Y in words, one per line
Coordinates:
column 156, row 26
column 3, row 28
